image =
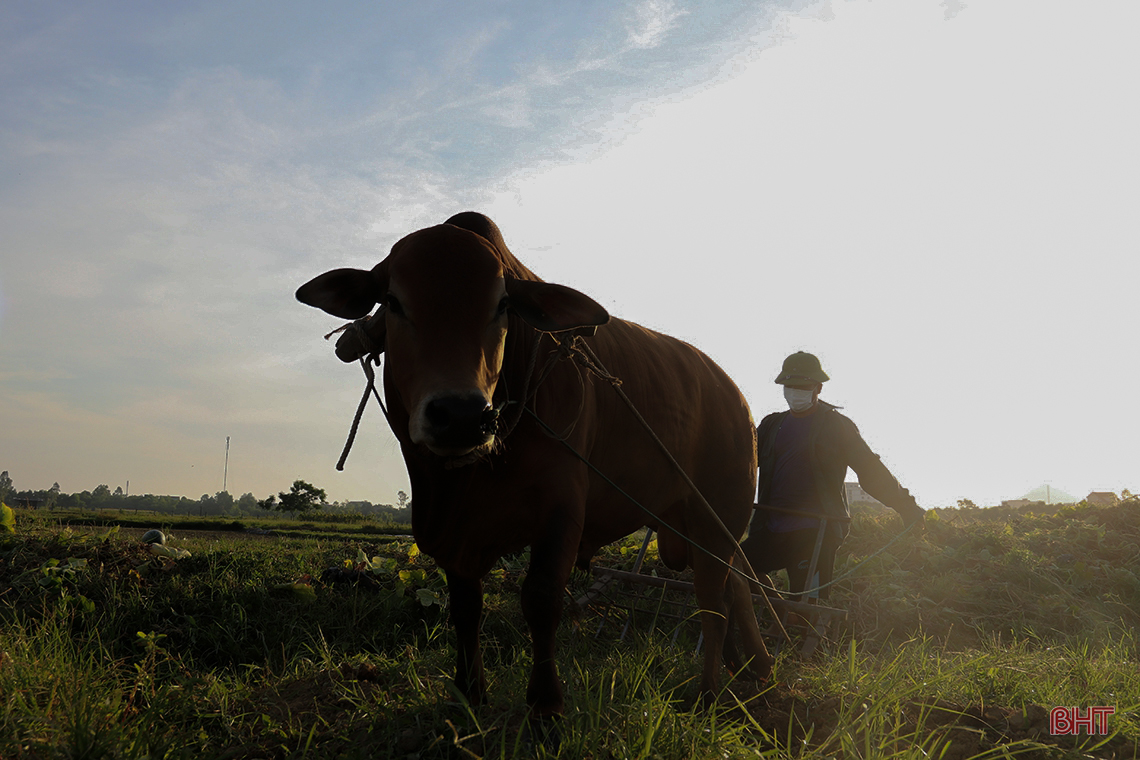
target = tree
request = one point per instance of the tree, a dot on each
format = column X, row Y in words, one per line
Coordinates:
column 966, row 504
column 69, row 500
column 6, row 488
column 301, row 498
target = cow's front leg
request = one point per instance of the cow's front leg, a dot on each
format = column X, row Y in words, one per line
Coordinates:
column 466, row 613
column 542, row 593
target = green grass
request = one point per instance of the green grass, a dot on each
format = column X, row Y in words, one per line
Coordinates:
column 338, row 526
column 958, row 642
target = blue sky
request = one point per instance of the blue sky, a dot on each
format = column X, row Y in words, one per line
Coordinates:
column 938, row 198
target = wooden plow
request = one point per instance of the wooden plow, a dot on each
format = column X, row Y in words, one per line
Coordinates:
column 656, row 598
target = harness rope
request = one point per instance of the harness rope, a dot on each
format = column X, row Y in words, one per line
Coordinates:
column 749, row 576
column 589, row 359
column 581, row 352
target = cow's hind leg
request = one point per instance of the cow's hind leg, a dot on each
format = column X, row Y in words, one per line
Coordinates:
column 466, row 610
column 709, row 578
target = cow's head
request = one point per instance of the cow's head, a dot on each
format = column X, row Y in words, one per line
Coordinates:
column 449, row 295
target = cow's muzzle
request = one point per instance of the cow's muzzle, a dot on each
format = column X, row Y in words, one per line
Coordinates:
column 457, row 424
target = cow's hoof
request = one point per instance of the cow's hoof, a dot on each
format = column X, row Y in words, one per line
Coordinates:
column 542, row 731
column 760, row 669
column 733, row 661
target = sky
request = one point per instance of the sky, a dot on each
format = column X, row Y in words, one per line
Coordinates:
column 937, row 198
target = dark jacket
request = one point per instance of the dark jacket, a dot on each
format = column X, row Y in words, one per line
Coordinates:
column 835, row 445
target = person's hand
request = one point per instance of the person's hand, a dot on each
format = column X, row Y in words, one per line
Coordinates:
column 915, row 520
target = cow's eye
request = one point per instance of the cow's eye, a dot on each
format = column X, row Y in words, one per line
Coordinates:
column 504, row 304
column 394, row 305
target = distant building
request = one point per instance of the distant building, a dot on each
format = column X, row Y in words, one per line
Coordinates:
column 1050, row 495
column 1102, row 499
column 856, row 494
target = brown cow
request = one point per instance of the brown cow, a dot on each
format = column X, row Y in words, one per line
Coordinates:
column 470, row 335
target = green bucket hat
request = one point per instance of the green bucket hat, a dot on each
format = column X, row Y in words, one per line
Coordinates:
column 801, row 367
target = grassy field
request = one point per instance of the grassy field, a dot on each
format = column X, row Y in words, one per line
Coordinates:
column 331, row 640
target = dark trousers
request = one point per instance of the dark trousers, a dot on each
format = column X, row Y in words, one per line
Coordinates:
column 768, row 552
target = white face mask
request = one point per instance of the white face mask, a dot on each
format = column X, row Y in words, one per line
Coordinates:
column 798, row 400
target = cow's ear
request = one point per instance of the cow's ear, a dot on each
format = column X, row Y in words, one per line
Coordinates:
column 554, row 308
column 344, row 293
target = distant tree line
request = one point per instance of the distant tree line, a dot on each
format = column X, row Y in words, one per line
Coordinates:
column 221, row 504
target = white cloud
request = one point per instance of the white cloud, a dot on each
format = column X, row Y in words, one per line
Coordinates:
column 916, row 199
column 653, row 21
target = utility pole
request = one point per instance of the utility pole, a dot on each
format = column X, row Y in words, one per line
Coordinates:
column 226, row 472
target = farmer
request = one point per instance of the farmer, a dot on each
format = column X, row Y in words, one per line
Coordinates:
column 804, row 454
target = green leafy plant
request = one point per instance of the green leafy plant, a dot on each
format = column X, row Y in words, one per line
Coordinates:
column 56, row 576
column 428, row 585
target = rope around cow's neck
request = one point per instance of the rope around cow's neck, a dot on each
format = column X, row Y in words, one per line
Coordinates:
column 584, row 355
column 581, row 352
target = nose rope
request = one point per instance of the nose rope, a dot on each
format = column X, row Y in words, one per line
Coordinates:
column 529, row 390
column 527, row 393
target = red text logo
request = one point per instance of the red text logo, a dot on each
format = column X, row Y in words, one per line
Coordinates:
column 1072, row 720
